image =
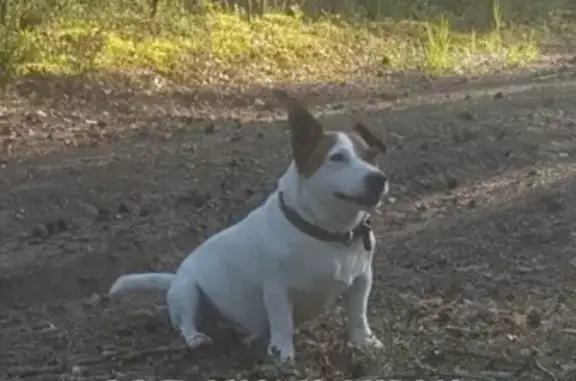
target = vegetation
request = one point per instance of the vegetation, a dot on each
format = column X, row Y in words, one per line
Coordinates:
column 259, row 41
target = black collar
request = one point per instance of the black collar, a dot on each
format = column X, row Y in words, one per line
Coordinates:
column 361, row 231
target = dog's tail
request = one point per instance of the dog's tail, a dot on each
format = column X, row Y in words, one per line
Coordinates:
column 142, row 282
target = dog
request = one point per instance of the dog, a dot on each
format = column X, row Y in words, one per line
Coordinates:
column 310, row 242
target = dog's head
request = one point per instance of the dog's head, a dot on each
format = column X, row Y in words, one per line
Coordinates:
column 335, row 164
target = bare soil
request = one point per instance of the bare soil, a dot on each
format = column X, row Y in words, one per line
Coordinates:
column 476, row 263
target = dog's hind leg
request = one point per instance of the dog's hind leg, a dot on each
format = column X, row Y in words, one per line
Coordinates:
column 184, row 301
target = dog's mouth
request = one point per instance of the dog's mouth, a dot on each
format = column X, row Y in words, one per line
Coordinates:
column 365, row 201
column 370, row 199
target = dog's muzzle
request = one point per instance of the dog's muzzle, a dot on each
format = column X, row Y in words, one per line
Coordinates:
column 375, row 185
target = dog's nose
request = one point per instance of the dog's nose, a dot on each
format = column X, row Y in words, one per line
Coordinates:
column 375, row 182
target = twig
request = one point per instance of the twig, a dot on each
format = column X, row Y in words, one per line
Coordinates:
column 484, row 356
column 30, row 372
column 461, row 375
column 124, row 355
column 129, row 355
column 544, row 370
column 397, row 376
column 432, row 315
column 527, row 365
column 532, row 362
column 570, row 331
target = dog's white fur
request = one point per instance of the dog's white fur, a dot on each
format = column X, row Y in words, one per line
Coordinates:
column 266, row 275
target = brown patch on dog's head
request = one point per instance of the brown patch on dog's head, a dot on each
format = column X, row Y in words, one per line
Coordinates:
column 367, row 144
column 310, row 144
column 372, row 140
column 362, row 149
column 317, row 156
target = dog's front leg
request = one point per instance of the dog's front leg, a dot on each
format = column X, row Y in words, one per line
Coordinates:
column 280, row 318
column 356, row 305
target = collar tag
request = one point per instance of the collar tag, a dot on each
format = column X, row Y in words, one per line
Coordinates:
column 349, row 237
column 365, row 232
column 367, row 241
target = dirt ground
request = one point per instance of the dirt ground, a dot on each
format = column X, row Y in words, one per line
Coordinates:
column 476, row 263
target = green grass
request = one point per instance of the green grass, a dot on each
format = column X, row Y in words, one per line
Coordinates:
column 209, row 44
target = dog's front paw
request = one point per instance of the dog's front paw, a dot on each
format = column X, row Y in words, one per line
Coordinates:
column 197, row 339
column 284, row 353
column 366, row 341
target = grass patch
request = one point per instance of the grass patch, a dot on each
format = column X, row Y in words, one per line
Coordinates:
column 209, row 44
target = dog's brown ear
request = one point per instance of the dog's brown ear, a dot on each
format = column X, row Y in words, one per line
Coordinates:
column 372, row 140
column 306, row 131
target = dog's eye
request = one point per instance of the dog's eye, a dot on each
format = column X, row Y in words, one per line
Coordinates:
column 337, row 157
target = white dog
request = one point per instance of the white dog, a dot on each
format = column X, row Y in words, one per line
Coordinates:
column 290, row 258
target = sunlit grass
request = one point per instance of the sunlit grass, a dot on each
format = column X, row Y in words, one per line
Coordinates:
column 223, row 44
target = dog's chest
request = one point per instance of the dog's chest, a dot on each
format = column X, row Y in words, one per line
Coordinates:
column 317, row 278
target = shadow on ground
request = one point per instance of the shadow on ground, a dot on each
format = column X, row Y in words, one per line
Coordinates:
column 85, row 94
